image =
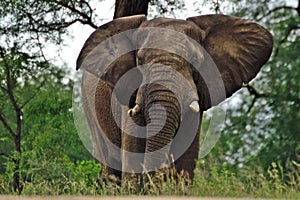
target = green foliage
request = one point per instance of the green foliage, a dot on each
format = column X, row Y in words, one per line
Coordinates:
column 166, row 8
column 35, row 95
column 47, row 176
column 44, row 95
column 22, row 75
column 265, row 129
column 49, row 121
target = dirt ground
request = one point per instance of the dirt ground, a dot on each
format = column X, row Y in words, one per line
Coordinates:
column 110, row 198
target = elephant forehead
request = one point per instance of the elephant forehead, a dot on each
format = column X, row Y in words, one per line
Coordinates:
column 182, row 26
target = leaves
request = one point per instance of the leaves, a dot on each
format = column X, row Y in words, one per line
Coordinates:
column 270, row 132
column 43, row 18
column 166, row 8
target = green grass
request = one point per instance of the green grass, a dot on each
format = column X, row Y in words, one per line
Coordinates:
column 213, row 181
column 249, row 183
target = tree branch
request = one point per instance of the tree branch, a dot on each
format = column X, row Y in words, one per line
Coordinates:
column 83, row 15
column 89, row 7
column 276, row 9
column 4, row 154
column 7, row 73
column 38, row 27
column 8, row 80
column 6, row 125
column 3, row 89
column 256, row 95
column 40, row 45
column 56, row 26
column 284, row 39
column 15, row 135
column 298, row 8
column 32, row 96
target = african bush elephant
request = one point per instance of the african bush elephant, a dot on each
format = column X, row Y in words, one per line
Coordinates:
column 141, row 88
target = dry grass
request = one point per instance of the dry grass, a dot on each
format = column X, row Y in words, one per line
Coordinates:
column 212, row 183
column 110, row 198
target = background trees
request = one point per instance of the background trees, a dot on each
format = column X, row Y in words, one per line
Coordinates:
column 38, row 140
column 263, row 125
column 36, row 95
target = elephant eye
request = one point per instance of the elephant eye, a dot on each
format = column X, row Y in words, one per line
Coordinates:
column 139, row 61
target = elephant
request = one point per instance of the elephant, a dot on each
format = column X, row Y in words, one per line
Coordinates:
column 140, row 90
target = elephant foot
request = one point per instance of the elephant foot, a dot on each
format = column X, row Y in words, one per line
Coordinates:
column 109, row 177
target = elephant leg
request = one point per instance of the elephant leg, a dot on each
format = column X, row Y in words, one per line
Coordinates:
column 186, row 163
column 108, row 140
column 133, row 147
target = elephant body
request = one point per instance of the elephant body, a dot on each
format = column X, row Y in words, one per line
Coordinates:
column 145, row 109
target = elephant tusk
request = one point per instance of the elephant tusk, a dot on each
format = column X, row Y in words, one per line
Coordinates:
column 132, row 112
column 194, row 106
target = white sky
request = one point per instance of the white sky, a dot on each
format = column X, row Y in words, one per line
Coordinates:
column 80, row 33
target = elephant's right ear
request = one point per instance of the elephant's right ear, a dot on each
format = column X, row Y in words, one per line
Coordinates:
column 109, row 52
column 238, row 47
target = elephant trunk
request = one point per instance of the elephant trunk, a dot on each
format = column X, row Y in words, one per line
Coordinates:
column 162, row 113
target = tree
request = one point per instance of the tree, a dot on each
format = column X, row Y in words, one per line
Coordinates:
column 262, row 125
column 17, row 79
column 156, row 7
column 130, row 7
column 27, row 27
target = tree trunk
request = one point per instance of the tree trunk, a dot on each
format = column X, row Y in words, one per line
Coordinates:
column 17, row 139
column 130, row 7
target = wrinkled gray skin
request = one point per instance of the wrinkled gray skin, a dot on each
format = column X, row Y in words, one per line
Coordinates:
column 238, row 47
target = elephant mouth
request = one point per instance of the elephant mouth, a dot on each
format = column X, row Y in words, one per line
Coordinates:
column 137, row 102
column 136, row 110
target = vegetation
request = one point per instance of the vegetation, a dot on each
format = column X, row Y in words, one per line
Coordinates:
column 63, row 177
column 258, row 154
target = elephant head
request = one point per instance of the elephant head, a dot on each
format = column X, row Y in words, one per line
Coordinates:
column 173, row 76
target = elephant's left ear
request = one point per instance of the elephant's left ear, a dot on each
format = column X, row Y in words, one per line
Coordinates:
column 238, row 47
